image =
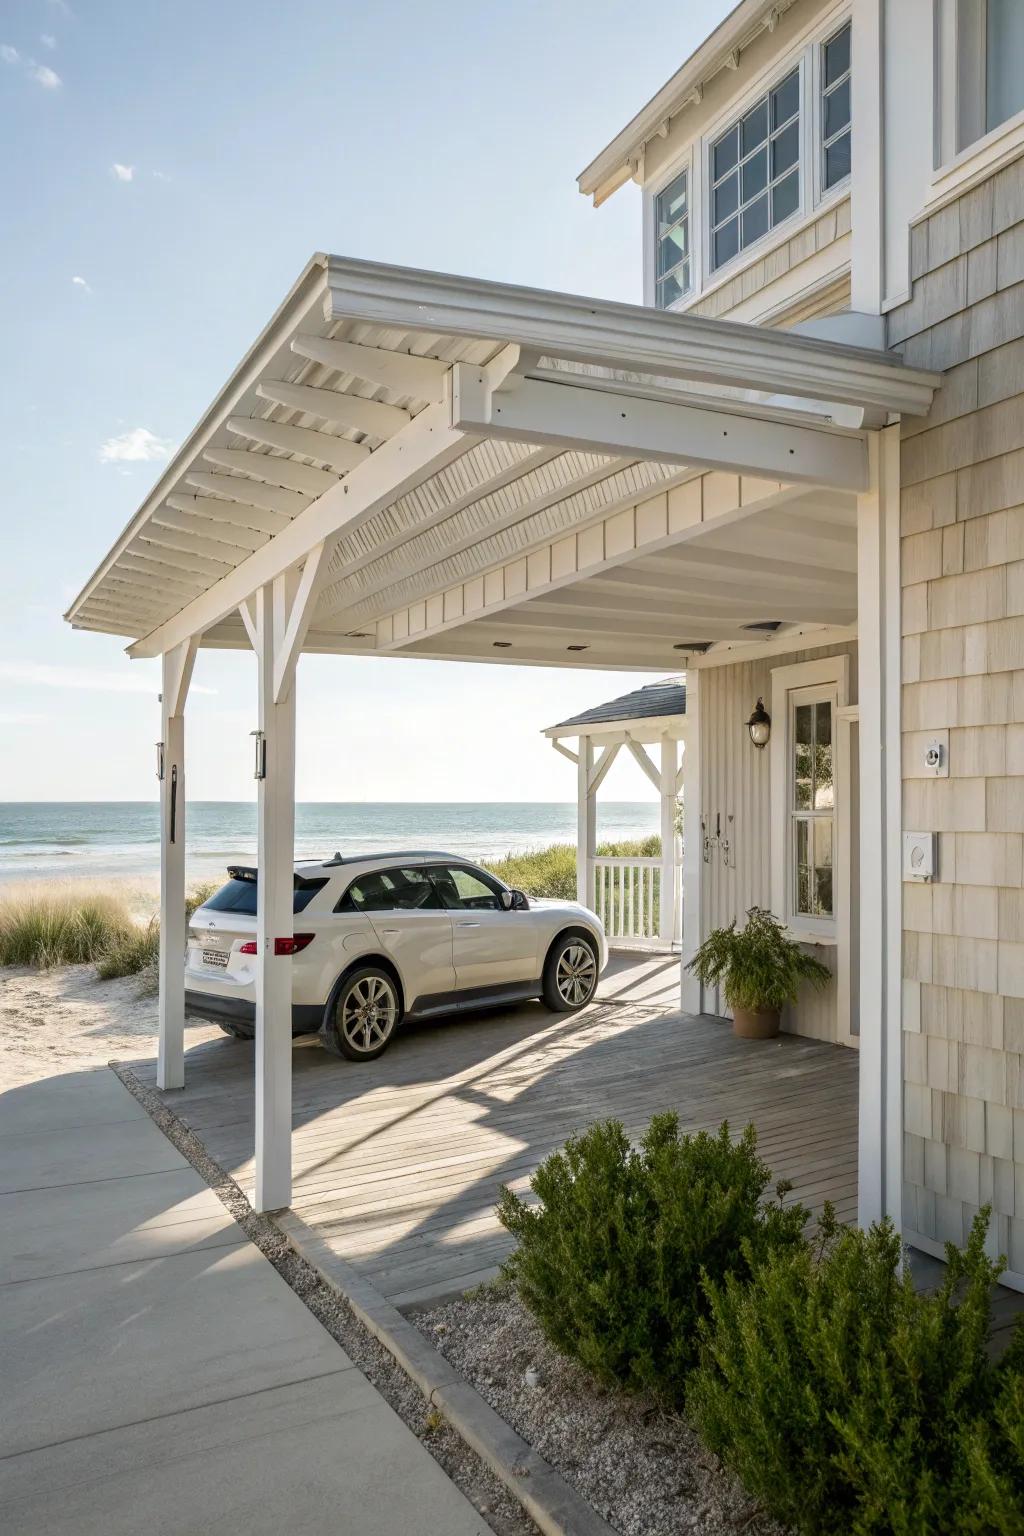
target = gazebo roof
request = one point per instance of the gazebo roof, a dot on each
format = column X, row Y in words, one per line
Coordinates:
column 652, row 702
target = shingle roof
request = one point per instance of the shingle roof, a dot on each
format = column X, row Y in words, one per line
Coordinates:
column 665, row 698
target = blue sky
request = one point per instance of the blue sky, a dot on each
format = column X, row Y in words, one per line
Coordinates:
column 168, row 170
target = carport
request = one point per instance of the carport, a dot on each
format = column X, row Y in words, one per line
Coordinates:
column 414, row 464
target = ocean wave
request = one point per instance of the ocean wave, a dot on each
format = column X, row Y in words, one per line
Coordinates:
column 42, row 841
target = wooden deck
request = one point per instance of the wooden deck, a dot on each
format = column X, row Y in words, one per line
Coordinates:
column 398, row 1162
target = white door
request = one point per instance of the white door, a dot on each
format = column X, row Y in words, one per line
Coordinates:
column 491, row 947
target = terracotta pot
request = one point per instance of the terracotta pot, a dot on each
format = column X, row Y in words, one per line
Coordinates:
column 756, row 1023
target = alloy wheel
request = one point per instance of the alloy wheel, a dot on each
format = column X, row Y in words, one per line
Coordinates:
column 367, row 1013
column 576, row 974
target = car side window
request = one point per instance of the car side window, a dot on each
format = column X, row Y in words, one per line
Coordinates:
column 464, row 890
column 391, row 890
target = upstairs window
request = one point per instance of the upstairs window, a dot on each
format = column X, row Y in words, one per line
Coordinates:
column 755, row 172
column 672, row 233
column 835, row 109
column 989, row 75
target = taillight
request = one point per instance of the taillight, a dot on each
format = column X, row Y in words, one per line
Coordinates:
column 291, row 946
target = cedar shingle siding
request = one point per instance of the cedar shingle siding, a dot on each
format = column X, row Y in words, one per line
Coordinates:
column 963, row 682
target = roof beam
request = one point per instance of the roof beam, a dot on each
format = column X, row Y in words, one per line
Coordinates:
column 233, row 536
column 631, row 426
column 272, row 469
column 235, row 513
column 425, row 445
column 400, row 372
column 271, row 497
column 336, row 452
column 371, row 416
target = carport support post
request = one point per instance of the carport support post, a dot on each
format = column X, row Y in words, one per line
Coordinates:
column 586, row 824
column 667, row 901
column 176, row 675
column 275, row 864
column 691, row 996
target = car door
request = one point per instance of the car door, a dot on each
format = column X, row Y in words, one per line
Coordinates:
column 492, row 948
column 413, row 927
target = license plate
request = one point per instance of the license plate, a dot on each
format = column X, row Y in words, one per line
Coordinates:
column 215, row 957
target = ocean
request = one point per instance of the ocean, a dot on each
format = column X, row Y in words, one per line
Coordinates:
column 104, row 839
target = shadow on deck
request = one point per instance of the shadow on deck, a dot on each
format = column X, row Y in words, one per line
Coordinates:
column 398, row 1162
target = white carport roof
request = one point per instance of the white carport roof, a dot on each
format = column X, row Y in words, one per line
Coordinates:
column 496, row 472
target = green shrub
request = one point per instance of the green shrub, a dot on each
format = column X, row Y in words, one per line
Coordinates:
column 847, row 1402
column 55, row 925
column 132, row 953
column 610, row 1263
column 761, row 968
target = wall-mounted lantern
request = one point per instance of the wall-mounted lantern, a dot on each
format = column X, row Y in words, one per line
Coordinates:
column 260, row 766
column 760, row 726
column 160, row 760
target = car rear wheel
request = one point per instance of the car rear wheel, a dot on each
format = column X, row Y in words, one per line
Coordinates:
column 362, row 1015
column 570, row 974
column 235, row 1031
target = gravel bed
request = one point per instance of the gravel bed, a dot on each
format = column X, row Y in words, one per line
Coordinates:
column 642, row 1469
column 486, row 1493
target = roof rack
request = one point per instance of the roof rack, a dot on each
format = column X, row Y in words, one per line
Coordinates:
column 397, row 853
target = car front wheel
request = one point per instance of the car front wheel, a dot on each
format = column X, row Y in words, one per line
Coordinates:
column 570, row 975
column 362, row 1015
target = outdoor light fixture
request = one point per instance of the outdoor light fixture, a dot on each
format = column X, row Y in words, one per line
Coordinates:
column 260, row 769
column 760, row 726
column 160, row 760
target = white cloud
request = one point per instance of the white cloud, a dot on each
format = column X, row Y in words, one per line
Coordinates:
column 139, row 446
column 9, row 55
column 122, row 172
column 39, row 674
column 80, row 282
column 43, row 75
column 47, row 39
column 160, row 176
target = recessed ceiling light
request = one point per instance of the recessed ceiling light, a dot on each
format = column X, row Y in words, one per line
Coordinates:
column 764, row 626
column 577, row 647
column 700, row 646
column 502, row 645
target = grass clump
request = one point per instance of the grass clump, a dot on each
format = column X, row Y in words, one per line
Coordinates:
column 552, row 871
column 610, row 1263
column 849, row 1403
column 137, row 953
column 52, row 926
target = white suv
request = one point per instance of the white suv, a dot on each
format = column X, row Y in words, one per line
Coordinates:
column 392, row 936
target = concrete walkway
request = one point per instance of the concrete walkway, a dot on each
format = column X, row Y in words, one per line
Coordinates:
column 157, row 1374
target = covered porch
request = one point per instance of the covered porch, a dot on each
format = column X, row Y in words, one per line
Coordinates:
column 421, row 465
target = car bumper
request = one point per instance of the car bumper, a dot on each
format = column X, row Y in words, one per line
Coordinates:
column 240, row 1011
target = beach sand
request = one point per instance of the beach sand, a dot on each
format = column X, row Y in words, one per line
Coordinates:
column 66, row 1018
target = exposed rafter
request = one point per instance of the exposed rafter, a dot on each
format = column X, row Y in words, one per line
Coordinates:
column 371, row 416
column 240, row 512
column 249, row 492
column 273, row 470
column 336, row 452
column 400, row 372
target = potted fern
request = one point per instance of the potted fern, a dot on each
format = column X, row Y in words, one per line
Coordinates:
column 760, row 970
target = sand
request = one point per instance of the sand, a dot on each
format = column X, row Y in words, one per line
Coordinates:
column 65, row 1019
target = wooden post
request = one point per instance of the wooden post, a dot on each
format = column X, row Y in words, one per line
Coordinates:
column 176, row 675
column 275, row 862
column 667, row 908
column 691, row 995
column 586, row 824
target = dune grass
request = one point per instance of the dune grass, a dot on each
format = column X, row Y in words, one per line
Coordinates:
column 552, row 871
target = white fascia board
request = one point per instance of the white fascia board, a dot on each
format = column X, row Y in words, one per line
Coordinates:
column 572, row 416
column 627, row 336
column 644, row 727
column 303, row 297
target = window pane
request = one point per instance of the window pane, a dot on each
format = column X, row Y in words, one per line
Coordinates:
column 726, row 152
column 725, row 198
column 755, row 220
column 754, row 127
column 824, row 791
column 1004, row 53
column 837, row 108
column 821, row 894
column 673, row 247
column 786, row 99
column 803, row 730
column 465, row 889
column 755, row 174
column 803, row 868
column 672, row 204
column 785, row 149
column 403, row 890
column 837, row 55
column 837, row 160
column 785, row 197
column 674, row 286
column 727, row 242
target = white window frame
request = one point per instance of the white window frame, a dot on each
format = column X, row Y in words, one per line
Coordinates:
column 805, row 52
column 684, row 166
column 818, row 81
column 960, row 165
column 809, row 681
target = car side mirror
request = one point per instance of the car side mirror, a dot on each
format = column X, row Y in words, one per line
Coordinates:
column 514, row 901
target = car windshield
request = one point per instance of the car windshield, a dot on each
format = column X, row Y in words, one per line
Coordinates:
column 239, row 895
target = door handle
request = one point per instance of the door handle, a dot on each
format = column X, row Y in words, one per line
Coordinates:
column 467, row 925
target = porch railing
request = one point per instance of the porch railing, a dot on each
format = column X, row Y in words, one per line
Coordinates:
column 627, row 899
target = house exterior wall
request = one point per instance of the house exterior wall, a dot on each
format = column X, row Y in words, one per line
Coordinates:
column 736, row 795
column 962, row 543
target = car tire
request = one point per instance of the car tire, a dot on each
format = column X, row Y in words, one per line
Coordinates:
column 570, row 973
column 235, row 1031
column 362, row 1014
